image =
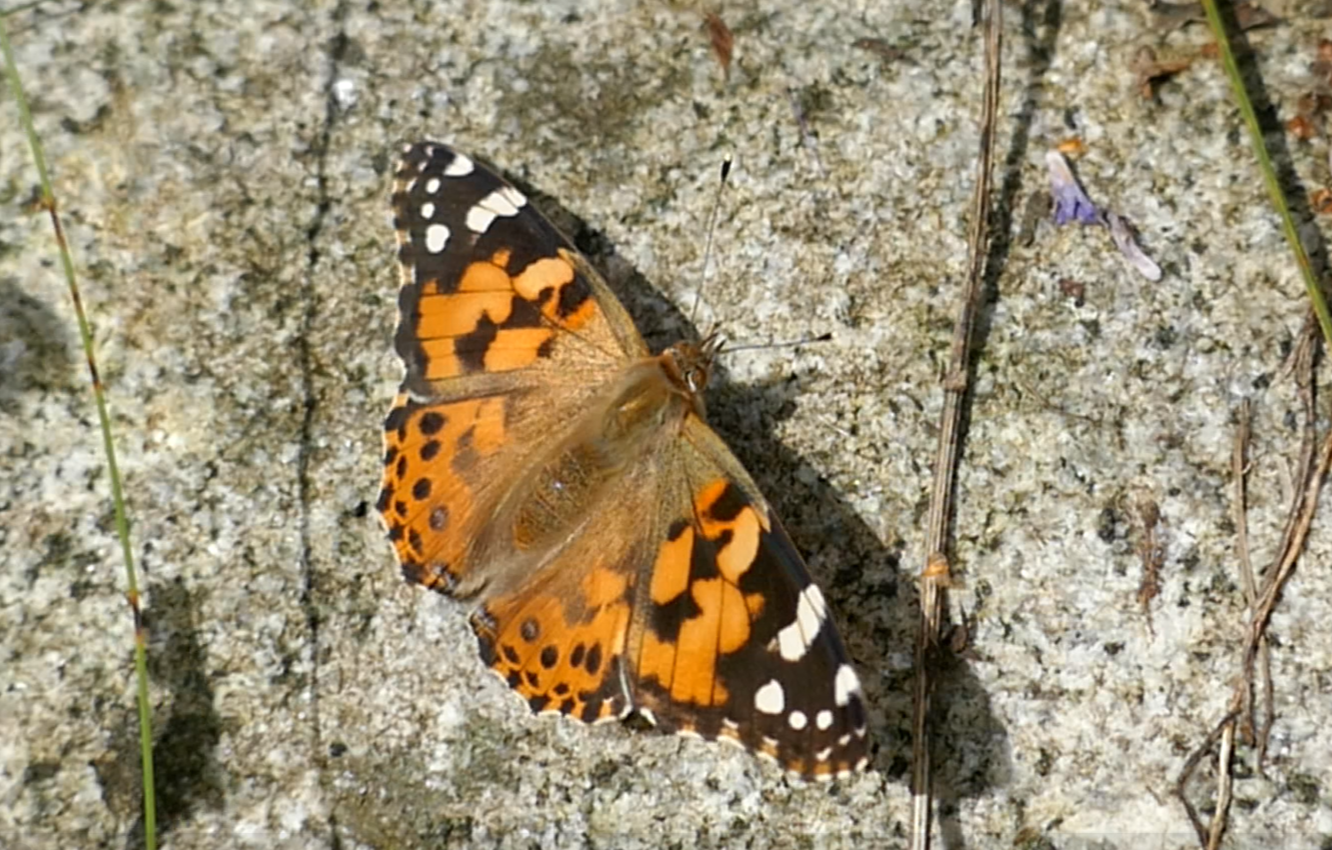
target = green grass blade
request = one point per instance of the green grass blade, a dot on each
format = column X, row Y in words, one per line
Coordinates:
column 1269, row 173
column 108, row 444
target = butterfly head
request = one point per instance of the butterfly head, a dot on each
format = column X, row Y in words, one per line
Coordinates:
column 689, row 365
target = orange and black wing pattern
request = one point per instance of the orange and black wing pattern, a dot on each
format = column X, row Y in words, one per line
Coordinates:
column 505, row 332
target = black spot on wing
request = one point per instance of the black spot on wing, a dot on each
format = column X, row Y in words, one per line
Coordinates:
column 431, row 422
column 471, row 347
column 524, row 314
column 666, row 620
column 396, row 421
column 572, row 298
column 729, row 504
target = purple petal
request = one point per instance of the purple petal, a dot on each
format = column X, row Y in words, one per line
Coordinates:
column 1070, row 202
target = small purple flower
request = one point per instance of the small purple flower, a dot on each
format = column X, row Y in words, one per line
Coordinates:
column 1070, row 202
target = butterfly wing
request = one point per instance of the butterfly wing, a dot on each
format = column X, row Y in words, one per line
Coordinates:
column 665, row 585
column 733, row 639
column 505, row 332
column 706, row 622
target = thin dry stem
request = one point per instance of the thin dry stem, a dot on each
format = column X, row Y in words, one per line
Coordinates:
column 1260, row 612
column 1224, row 784
column 1186, row 773
column 934, row 578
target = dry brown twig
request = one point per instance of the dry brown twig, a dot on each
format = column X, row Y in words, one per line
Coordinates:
column 935, row 577
column 1261, row 600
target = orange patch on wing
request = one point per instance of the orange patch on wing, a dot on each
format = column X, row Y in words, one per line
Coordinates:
column 746, row 529
column 733, row 624
column 488, row 434
column 514, row 348
column 586, row 312
column 656, row 659
column 437, row 528
column 552, row 273
column 721, row 626
column 441, row 359
column 536, row 641
column 737, row 556
column 460, row 313
column 670, row 573
column 602, row 586
column 708, row 496
column 543, row 282
column 484, row 277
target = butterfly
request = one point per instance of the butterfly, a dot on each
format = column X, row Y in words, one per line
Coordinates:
column 540, row 460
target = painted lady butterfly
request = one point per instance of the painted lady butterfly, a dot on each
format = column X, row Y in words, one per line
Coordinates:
column 542, row 461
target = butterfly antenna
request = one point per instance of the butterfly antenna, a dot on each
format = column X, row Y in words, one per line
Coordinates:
column 788, row 343
column 707, row 245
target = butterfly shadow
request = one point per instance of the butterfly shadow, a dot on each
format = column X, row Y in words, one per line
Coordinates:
column 869, row 588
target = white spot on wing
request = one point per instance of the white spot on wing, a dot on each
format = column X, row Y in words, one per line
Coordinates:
column 513, row 196
column 504, row 202
column 461, row 166
column 811, row 611
column 770, row 699
column 798, row 720
column 845, row 685
column 823, row 719
column 479, row 219
column 427, row 210
column 436, row 236
column 432, row 185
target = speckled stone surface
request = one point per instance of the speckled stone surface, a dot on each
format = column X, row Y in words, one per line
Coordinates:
column 224, row 169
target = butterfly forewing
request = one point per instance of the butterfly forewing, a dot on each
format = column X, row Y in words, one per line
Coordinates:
column 736, row 641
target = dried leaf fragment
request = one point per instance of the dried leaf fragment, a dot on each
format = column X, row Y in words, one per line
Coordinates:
column 723, row 42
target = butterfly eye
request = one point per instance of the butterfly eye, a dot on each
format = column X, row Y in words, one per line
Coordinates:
column 696, row 378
